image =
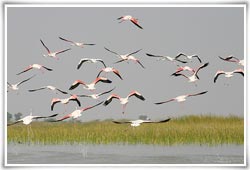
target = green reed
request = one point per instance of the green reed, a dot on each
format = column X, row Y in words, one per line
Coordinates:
column 208, row 129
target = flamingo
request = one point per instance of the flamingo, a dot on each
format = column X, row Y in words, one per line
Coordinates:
column 184, row 68
column 135, row 123
column 172, row 59
column 181, row 98
column 28, row 119
column 90, row 86
column 130, row 18
column 16, row 86
column 189, row 57
column 52, row 54
column 77, row 113
column 35, row 66
column 96, row 96
column 228, row 74
column 233, row 59
column 110, row 69
column 123, row 101
column 65, row 101
column 89, row 60
column 194, row 77
column 49, row 88
column 77, row 44
column 131, row 58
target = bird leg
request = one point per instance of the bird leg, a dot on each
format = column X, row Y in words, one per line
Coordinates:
column 123, row 108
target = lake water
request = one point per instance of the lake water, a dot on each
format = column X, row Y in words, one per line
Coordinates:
column 124, row 154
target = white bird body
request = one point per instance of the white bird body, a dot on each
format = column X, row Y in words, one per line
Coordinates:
column 181, row 98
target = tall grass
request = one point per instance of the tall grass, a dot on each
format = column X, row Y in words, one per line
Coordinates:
column 209, row 130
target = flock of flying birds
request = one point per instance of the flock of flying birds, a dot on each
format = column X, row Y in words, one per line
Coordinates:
column 191, row 74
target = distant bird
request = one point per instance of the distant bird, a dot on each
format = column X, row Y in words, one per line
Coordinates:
column 78, row 44
column 228, row 74
column 52, row 54
column 189, row 57
column 16, row 86
column 64, row 101
column 194, row 77
column 181, row 98
column 184, row 68
column 132, row 58
column 90, row 86
column 110, row 69
column 48, row 87
column 36, row 66
column 28, row 119
column 160, row 57
column 130, row 18
column 136, row 123
column 233, row 59
column 123, row 101
column 90, row 60
column 77, row 113
column 96, row 96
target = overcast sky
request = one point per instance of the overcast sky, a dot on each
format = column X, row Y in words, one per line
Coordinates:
column 207, row 32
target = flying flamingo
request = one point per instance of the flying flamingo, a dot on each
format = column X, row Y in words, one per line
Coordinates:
column 189, row 57
column 130, row 18
column 95, row 96
column 16, row 86
column 123, row 101
column 160, row 57
column 35, row 66
column 49, row 88
column 181, row 98
column 77, row 113
column 135, row 123
column 90, row 86
column 28, row 119
column 194, row 77
column 78, row 44
column 228, row 74
column 131, row 58
column 89, row 60
column 233, row 59
column 184, row 68
column 52, row 54
column 65, row 101
column 110, row 69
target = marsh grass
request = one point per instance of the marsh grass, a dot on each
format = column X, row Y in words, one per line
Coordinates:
column 208, row 130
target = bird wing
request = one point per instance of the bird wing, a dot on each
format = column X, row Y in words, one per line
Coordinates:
column 61, row 91
column 25, row 80
column 102, row 79
column 119, row 61
column 161, row 121
column 133, row 53
column 90, row 107
column 88, row 44
column 53, row 104
column 140, row 63
column 62, row 51
column 99, row 73
column 240, row 72
column 64, row 117
column 75, row 84
column 202, row 66
column 136, row 94
column 45, row 46
column 112, row 52
column 15, row 122
column 106, row 92
column 152, row 55
column 37, row 89
column 179, row 74
column 217, row 75
column 66, row 40
column 109, row 99
column 164, row 101
column 40, row 117
column 117, row 73
column 27, row 69
column 49, row 69
column 118, row 122
column 180, row 54
column 197, row 58
column 134, row 21
column 102, row 62
column 197, row 94
column 78, row 102
column 81, row 62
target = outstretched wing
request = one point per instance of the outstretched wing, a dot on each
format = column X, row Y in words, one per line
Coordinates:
column 25, row 80
column 81, row 62
column 133, row 53
column 112, row 51
column 75, row 84
column 164, row 102
column 27, row 69
column 161, row 121
column 197, row 58
column 61, row 91
column 217, row 75
column 197, row 94
column 66, row 40
column 136, row 94
column 37, row 89
column 109, row 99
column 62, row 51
column 118, row 122
column 45, row 46
column 134, row 21
column 106, row 92
column 43, row 117
column 14, row 122
column 90, row 107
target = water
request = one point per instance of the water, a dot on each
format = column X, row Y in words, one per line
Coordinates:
column 124, row 154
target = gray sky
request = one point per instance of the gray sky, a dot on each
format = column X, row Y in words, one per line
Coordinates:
column 208, row 32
